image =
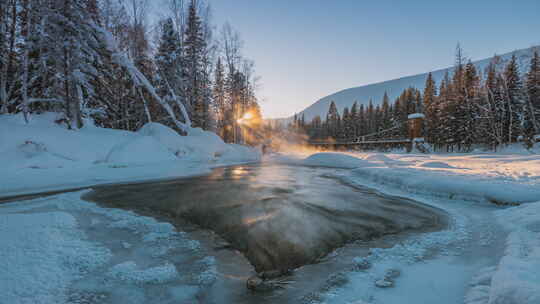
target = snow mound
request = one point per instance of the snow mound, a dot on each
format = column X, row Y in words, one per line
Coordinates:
column 144, row 149
column 238, row 153
column 437, row 165
column 381, row 158
column 335, row 160
column 516, row 279
column 415, row 115
column 199, row 145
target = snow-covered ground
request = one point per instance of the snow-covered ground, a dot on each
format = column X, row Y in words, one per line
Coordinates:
column 489, row 255
column 61, row 249
column 44, row 156
column 508, row 177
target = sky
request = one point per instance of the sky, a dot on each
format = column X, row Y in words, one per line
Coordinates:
column 307, row 49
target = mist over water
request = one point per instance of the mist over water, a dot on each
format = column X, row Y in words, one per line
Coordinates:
column 279, row 217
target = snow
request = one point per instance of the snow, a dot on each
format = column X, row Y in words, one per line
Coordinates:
column 335, row 160
column 138, row 150
column 42, row 255
column 61, row 249
column 488, row 255
column 128, row 271
column 44, row 156
column 415, row 115
column 516, row 278
column 491, row 177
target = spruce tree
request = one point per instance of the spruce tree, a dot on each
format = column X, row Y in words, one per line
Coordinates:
column 514, row 98
column 532, row 122
column 354, row 119
column 332, row 120
column 194, row 47
column 220, row 101
column 386, row 118
column 430, row 109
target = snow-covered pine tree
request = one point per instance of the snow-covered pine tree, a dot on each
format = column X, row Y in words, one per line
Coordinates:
column 370, row 117
column 514, row 98
column 169, row 65
column 8, row 22
column 346, row 126
column 468, row 107
column 532, row 111
column 354, row 119
column 194, row 48
column 220, row 101
column 430, row 109
column 68, row 52
column 361, row 126
column 386, row 113
column 332, row 121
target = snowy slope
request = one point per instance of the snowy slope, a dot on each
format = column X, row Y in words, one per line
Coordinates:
column 363, row 94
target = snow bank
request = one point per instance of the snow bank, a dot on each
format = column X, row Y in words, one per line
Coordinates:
column 501, row 179
column 452, row 185
column 87, row 145
column 335, row 160
column 516, row 279
column 45, row 156
column 437, row 165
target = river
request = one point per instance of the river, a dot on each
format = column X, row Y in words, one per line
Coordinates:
column 271, row 218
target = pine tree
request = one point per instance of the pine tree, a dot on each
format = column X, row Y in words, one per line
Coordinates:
column 430, row 109
column 386, row 113
column 169, row 60
column 220, row 101
column 347, row 131
column 532, row 121
column 370, row 117
column 332, row 121
column 354, row 120
column 361, row 124
column 194, row 48
column 514, row 98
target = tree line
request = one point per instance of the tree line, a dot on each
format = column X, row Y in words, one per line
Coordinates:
column 495, row 108
column 102, row 61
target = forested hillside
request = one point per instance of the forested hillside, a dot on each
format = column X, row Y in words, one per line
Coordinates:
column 494, row 107
column 393, row 88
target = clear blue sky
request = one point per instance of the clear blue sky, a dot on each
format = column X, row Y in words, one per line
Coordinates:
column 307, row 49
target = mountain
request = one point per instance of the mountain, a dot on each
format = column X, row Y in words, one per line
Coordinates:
column 394, row 88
